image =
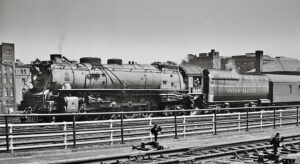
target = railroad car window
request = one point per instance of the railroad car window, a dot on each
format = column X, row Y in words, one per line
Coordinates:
column 164, row 82
column 290, row 86
column 197, row 82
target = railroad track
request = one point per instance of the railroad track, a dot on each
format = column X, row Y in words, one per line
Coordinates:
column 250, row 151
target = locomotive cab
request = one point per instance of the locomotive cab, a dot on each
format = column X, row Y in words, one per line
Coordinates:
column 193, row 77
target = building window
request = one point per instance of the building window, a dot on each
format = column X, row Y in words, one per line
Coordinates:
column 12, row 92
column 164, row 82
column 23, row 81
column 22, row 71
column 10, row 80
column 172, row 84
column 5, row 92
column 290, row 86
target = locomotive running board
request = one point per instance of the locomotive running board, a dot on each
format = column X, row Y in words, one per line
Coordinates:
column 156, row 90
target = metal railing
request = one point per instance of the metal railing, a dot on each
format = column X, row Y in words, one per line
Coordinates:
column 17, row 136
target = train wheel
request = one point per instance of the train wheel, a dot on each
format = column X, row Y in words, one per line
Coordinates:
column 150, row 105
column 168, row 110
column 147, row 115
column 129, row 115
column 32, row 119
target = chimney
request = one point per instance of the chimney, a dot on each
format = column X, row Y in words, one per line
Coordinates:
column 259, row 61
column 212, row 53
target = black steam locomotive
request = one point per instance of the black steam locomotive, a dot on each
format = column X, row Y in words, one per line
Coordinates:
column 63, row 86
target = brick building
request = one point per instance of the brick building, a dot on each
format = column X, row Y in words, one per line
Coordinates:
column 22, row 80
column 245, row 63
column 7, row 80
column 241, row 63
column 210, row 60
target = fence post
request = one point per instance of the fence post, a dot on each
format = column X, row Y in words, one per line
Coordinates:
column 74, row 130
column 111, row 132
column 150, row 124
column 261, row 120
column 184, row 126
column 65, row 135
column 247, row 121
column 175, row 122
column 11, row 138
column 122, row 128
column 280, row 119
column 6, row 130
column 274, row 118
column 239, row 123
column 297, row 116
column 215, row 122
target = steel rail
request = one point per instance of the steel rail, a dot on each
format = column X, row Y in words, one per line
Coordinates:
column 185, row 152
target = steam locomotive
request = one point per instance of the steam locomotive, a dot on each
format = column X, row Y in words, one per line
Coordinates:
column 64, row 86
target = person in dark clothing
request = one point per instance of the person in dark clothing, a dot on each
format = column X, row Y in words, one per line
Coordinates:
column 275, row 141
column 154, row 130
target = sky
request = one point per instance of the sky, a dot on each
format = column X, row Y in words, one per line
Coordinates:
column 146, row 31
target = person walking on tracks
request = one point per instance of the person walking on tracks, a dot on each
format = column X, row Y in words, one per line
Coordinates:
column 154, row 130
column 275, row 141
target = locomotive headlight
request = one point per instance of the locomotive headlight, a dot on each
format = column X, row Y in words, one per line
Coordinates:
column 34, row 77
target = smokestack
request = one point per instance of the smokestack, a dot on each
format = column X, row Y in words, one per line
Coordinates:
column 259, row 61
